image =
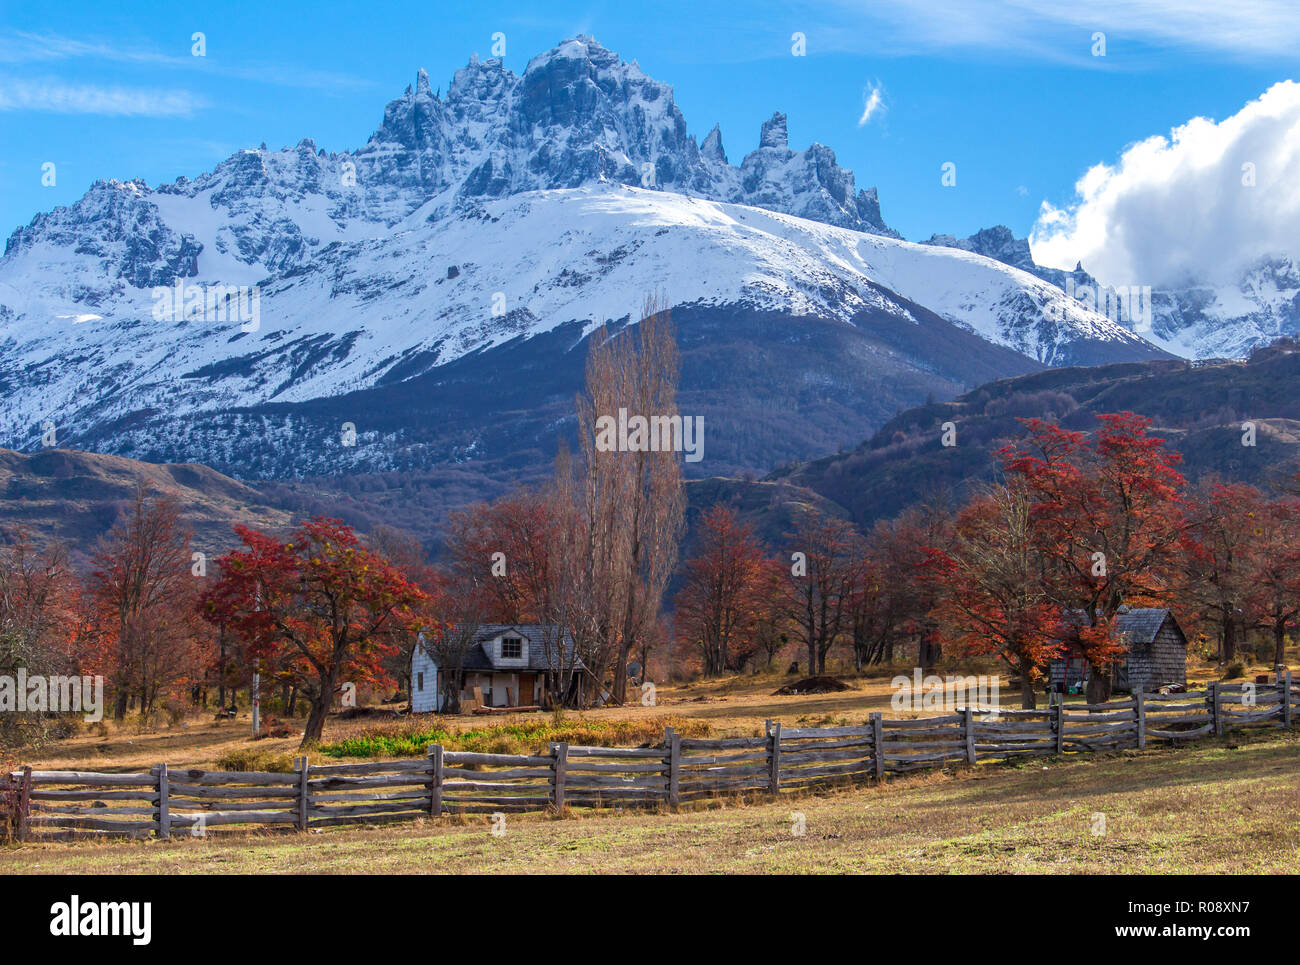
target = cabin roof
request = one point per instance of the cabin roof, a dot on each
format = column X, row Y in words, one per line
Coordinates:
column 543, row 653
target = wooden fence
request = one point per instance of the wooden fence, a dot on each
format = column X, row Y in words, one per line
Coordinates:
column 166, row 802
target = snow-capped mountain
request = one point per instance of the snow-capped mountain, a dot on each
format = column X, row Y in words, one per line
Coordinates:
column 169, row 322
column 1196, row 321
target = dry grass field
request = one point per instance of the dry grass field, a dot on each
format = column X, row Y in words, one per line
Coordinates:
column 1223, row 807
column 715, row 707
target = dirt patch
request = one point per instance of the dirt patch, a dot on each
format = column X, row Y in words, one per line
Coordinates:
column 811, row 685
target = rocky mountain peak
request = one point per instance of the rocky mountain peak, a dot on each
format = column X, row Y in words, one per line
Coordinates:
column 774, row 133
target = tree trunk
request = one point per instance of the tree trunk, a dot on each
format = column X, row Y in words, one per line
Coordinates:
column 812, row 659
column 1098, row 684
column 1028, row 699
column 1279, row 642
column 320, row 708
column 1228, row 640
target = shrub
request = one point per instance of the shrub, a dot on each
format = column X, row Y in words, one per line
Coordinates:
column 251, row 759
column 412, row 738
column 1234, row 669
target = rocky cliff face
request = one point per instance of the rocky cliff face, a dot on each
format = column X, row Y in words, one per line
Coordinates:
column 508, row 207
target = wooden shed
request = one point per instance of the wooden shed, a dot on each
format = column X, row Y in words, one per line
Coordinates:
column 1157, row 655
column 508, row 665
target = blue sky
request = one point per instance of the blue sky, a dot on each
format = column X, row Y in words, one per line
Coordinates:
column 1009, row 92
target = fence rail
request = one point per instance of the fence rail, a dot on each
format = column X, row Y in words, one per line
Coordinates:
column 165, row 801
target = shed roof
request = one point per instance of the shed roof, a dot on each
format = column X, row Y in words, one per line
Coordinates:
column 1136, row 625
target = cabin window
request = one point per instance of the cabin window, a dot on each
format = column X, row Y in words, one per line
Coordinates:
column 512, row 648
column 419, row 680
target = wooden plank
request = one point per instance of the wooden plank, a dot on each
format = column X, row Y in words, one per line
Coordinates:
column 97, row 824
column 227, row 792
column 1142, row 721
column 581, row 767
column 1286, row 699
column 304, row 792
column 878, row 744
column 24, row 804
column 674, row 743
column 369, row 767
column 499, row 760
column 147, row 795
column 210, row 818
column 1218, row 709
column 226, row 778
column 581, row 751
column 394, row 780
column 437, row 776
column 968, row 726
column 560, row 757
column 89, row 778
column 164, row 812
column 723, row 743
column 773, row 756
column 797, row 732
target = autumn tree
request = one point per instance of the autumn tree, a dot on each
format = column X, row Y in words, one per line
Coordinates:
column 720, row 605
column 815, row 595
column 319, row 603
column 503, row 550
column 145, row 593
column 998, row 602
column 1108, row 517
column 1275, row 584
column 42, row 624
column 1221, row 556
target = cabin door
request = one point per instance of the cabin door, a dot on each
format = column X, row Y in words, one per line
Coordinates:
column 527, row 682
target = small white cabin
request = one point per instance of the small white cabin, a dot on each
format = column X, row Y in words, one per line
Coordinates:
column 511, row 665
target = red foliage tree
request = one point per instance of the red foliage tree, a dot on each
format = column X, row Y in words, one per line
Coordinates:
column 1275, row 586
column 722, row 600
column 997, row 602
column 1108, row 516
column 318, row 605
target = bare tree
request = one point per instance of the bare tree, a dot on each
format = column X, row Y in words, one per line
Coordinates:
column 632, row 502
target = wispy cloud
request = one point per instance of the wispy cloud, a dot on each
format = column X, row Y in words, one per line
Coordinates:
column 24, row 48
column 872, row 105
column 60, row 97
column 1061, row 28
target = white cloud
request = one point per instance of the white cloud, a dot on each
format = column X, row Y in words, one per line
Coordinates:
column 1176, row 208
column 20, row 47
column 1062, row 28
column 63, row 98
column 872, row 104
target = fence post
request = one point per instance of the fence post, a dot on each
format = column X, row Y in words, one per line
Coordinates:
column 673, row 745
column 1060, row 726
column 301, row 765
column 164, row 807
column 435, row 780
column 559, row 758
column 24, row 803
column 968, row 728
column 773, row 756
column 878, row 744
column 1284, row 683
column 1141, row 719
column 1216, row 708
